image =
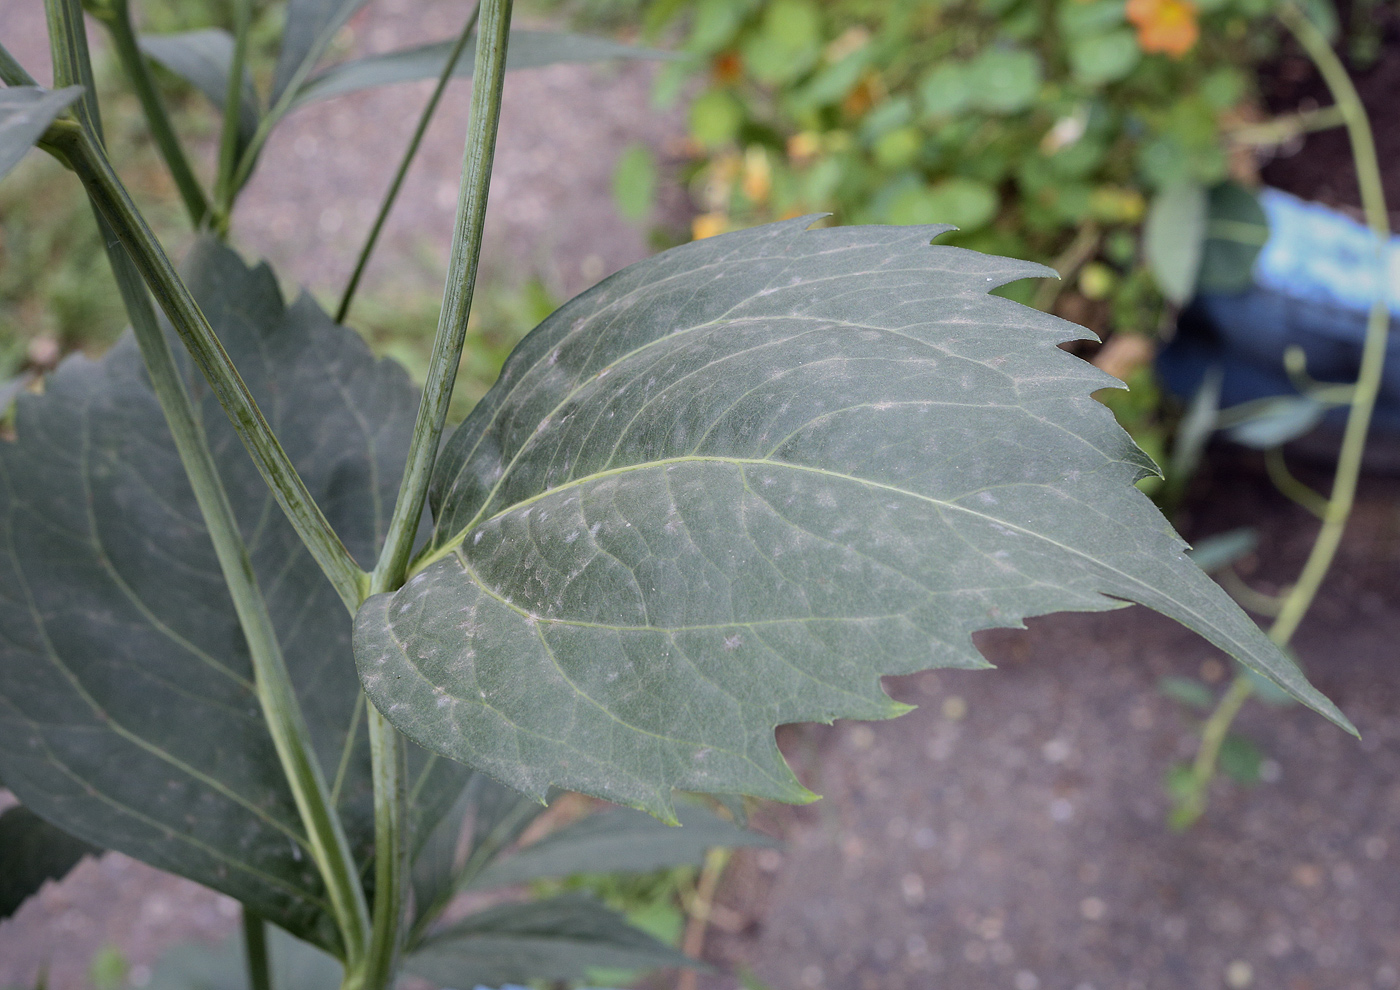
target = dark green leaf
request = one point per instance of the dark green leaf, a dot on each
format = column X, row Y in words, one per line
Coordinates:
column 1236, row 231
column 1217, row 552
column 196, row 966
column 528, row 50
column 310, row 26
column 620, row 840
column 127, row 715
column 25, row 113
column 32, row 851
column 555, row 939
column 202, row 58
column 1173, row 237
column 1240, row 759
column 732, row 485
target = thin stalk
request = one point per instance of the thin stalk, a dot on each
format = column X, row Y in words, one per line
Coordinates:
column 114, row 202
column 285, row 720
column 409, row 154
column 1300, row 597
column 255, row 952
column 233, row 101
column 11, row 72
column 1285, row 482
column 1283, row 129
column 116, row 16
column 488, row 77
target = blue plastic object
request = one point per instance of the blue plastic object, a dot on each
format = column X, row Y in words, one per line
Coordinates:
column 1313, row 285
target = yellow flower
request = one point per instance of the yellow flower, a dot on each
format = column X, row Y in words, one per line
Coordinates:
column 708, row 225
column 1165, row 25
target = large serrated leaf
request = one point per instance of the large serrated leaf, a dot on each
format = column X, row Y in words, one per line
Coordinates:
column 555, row 939
column 732, row 485
column 32, row 851
column 25, row 113
column 127, row 714
column 527, row 50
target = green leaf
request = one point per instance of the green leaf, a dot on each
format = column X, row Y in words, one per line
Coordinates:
column 634, row 182
column 1004, row 80
column 25, row 113
column 715, row 117
column 527, row 50
column 1276, row 421
column 1236, row 231
column 1173, row 239
column 1099, row 59
column 964, row 203
column 555, row 939
column 731, row 486
column 1241, row 759
column 296, row 965
column 620, row 840
column 32, row 851
column 202, row 58
column 127, row 714
column 1077, row 18
column 946, row 90
column 1188, row 692
column 310, row 26
column 1215, row 553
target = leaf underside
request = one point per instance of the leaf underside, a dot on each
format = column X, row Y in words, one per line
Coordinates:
column 31, row 852
column 127, row 712
column 25, row 113
column 731, row 486
column 554, row 939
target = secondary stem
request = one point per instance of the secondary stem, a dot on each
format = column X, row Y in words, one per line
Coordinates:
column 233, row 101
column 116, row 16
column 488, row 77
column 255, row 952
column 1338, row 507
column 116, row 206
column 285, row 721
column 409, row 154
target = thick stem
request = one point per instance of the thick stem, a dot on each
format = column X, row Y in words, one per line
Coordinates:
column 233, row 99
column 116, row 206
column 1300, row 597
column 390, row 850
column 255, row 952
column 116, row 16
column 409, row 154
column 488, row 76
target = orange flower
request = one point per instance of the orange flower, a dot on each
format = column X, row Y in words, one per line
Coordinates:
column 727, row 68
column 1165, row 25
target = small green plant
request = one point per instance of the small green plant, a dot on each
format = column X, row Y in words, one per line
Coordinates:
column 723, row 490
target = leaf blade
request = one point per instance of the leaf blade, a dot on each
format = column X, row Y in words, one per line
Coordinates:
column 25, row 113
column 731, row 486
column 528, row 50
column 31, row 852
column 204, row 59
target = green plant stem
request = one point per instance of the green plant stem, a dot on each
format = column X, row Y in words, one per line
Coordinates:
column 390, row 850
column 1213, row 735
column 285, row 721
column 488, row 77
column 1300, row 597
column 115, row 204
column 11, row 72
column 116, row 17
column 233, row 100
column 1285, row 128
column 1285, row 482
column 255, row 952
column 409, row 154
